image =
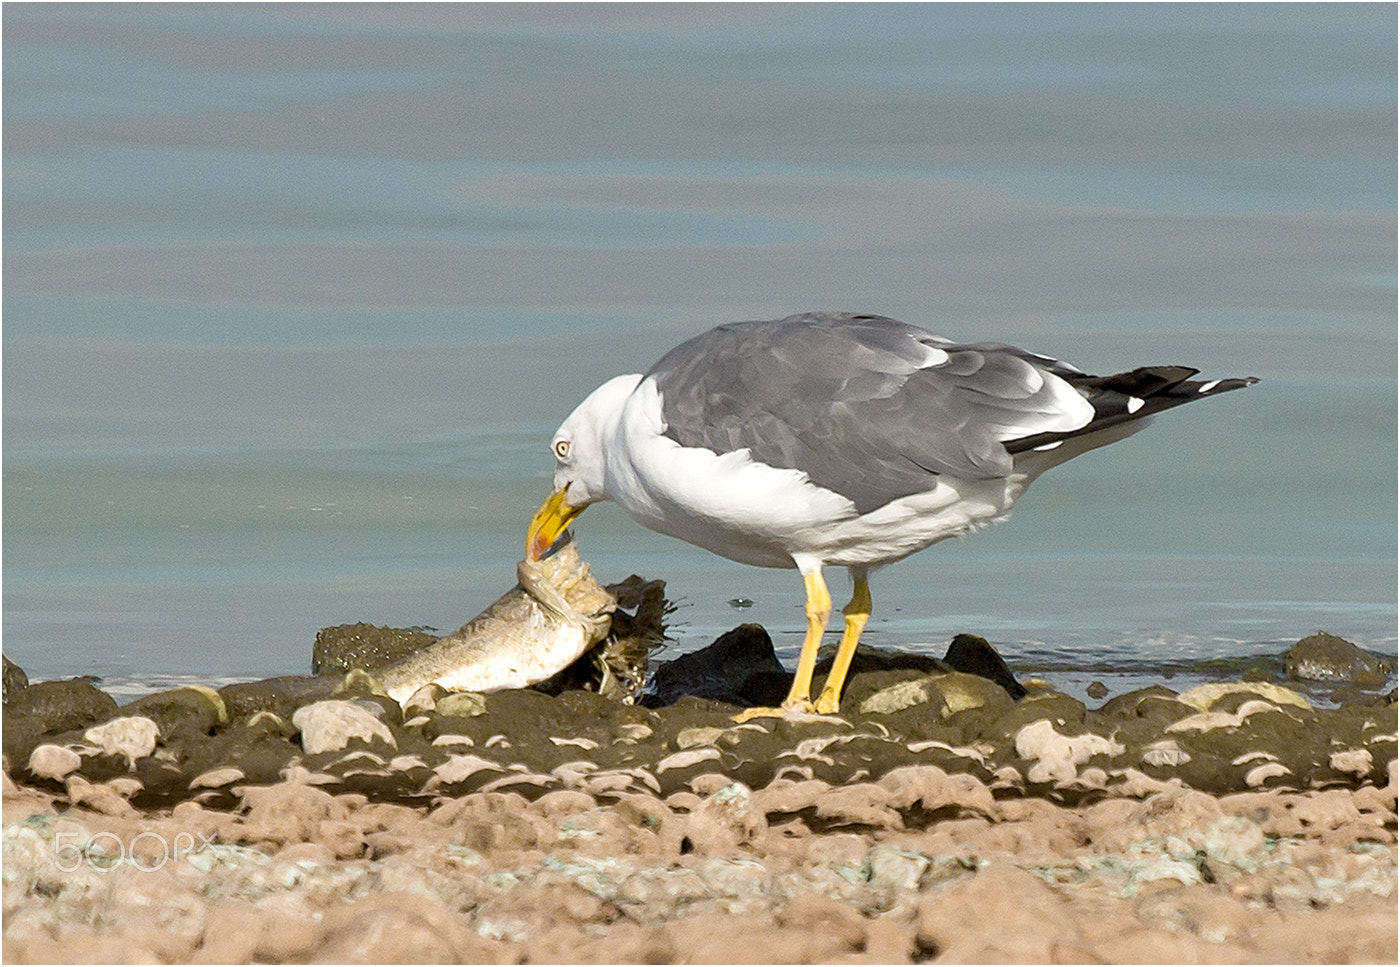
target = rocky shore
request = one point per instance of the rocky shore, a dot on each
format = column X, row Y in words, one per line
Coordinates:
column 937, row 818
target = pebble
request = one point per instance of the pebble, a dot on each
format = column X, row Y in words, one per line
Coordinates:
column 132, row 737
column 54, row 762
column 329, row 725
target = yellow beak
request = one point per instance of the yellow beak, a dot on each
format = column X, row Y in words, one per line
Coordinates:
column 551, row 520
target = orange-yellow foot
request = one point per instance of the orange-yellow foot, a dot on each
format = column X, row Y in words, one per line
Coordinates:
column 771, row 712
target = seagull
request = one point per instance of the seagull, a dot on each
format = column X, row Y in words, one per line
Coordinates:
column 837, row 439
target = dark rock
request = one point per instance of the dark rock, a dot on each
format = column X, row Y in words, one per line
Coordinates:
column 15, row 680
column 359, row 686
column 589, row 704
column 975, row 655
column 864, row 686
column 1156, row 703
column 765, row 688
column 184, row 713
column 63, row 706
column 1231, row 702
column 161, row 781
column 21, row 734
column 1065, row 713
column 531, row 720
column 281, row 696
column 366, row 646
column 870, row 659
column 101, row 767
column 261, row 746
column 1096, row 690
column 967, row 691
column 1327, row 658
column 720, row 671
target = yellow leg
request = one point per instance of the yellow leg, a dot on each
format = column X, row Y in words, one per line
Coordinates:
column 818, row 614
column 857, row 614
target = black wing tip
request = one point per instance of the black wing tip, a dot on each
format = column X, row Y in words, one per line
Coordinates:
column 1213, row 386
column 1136, row 395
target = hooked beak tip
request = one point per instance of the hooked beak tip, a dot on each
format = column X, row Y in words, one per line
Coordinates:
column 536, row 547
column 549, row 522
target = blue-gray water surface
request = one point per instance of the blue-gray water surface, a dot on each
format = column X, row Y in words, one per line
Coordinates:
column 294, row 297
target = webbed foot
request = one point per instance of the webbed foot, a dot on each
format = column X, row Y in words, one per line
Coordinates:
column 800, row 711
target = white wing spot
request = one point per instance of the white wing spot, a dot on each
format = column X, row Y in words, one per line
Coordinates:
column 1134, row 404
column 1207, row 387
column 933, row 356
column 1048, row 446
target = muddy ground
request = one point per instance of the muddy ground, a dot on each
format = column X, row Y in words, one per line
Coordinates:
column 935, row 819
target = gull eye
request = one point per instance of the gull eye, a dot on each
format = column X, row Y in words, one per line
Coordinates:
column 561, row 449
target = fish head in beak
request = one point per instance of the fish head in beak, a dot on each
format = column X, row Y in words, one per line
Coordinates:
column 550, row 521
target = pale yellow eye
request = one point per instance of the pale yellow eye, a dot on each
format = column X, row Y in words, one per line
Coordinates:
column 561, row 449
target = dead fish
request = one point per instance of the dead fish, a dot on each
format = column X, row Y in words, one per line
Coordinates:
column 533, row 631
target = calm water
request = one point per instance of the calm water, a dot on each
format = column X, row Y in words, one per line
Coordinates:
column 294, row 298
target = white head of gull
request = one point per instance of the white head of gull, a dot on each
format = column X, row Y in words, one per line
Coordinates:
column 837, row 439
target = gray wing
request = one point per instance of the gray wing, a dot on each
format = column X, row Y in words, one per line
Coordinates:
column 866, row 406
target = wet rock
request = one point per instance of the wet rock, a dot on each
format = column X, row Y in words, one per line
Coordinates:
column 261, row 745
column 1357, row 761
column 108, row 798
column 366, row 646
column 926, row 791
column 963, row 691
column 946, row 694
column 282, row 695
column 47, row 710
column 1223, row 737
column 182, row 714
column 740, row 667
column 15, row 679
column 975, row 655
column 64, row 705
column 1059, row 709
column 1163, row 753
column 218, row 778
column 1156, row 705
column 21, row 735
column 1222, row 719
column 423, row 702
column 1326, row 658
column 465, row 704
column 871, row 659
column 899, row 696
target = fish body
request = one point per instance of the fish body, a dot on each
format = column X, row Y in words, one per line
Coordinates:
column 532, row 632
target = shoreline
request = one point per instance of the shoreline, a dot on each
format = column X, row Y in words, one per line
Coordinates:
column 934, row 820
